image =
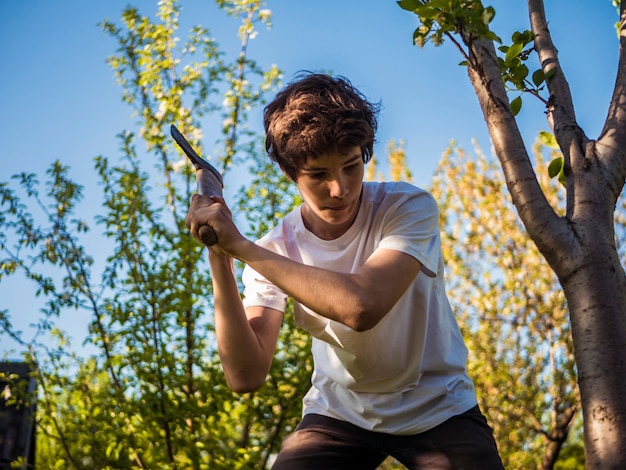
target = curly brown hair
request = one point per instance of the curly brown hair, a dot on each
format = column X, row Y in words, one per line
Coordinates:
column 315, row 115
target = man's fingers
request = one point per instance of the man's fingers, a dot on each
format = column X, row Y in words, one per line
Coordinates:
column 207, row 235
column 218, row 199
column 200, row 200
column 197, row 202
column 197, row 219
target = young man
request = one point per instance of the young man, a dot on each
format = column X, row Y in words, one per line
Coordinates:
column 363, row 263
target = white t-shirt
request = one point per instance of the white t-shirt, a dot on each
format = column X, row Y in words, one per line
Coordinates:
column 408, row 373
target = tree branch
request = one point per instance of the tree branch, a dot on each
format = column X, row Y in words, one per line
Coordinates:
column 571, row 138
column 560, row 105
column 528, row 198
column 613, row 134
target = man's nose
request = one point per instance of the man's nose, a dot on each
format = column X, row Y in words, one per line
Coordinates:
column 338, row 187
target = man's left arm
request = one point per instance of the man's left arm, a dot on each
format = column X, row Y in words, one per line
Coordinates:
column 358, row 300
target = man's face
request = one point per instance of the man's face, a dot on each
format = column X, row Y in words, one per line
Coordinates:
column 330, row 186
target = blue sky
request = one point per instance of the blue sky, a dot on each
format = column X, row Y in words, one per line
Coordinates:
column 60, row 100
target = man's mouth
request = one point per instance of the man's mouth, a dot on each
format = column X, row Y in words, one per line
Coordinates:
column 339, row 208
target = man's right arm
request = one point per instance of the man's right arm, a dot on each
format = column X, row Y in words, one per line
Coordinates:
column 246, row 338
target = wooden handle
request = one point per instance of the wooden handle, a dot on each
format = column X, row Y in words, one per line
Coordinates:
column 209, row 180
column 208, row 236
column 208, row 185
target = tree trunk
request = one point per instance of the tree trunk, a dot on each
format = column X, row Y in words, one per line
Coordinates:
column 596, row 297
column 551, row 455
column 558, row 436
column 579, row 247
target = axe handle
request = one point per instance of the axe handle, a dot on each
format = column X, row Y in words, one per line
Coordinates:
column 208, row 236
column 206, row 187
column 208, row 178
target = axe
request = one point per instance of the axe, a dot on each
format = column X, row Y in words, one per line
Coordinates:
column 209, row 180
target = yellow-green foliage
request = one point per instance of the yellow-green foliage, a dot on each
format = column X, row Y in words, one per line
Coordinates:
column 510, row 305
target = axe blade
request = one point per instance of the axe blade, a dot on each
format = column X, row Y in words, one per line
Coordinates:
column 197, row 161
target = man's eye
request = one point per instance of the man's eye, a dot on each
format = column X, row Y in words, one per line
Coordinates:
column 318, row 176
column 352, row 167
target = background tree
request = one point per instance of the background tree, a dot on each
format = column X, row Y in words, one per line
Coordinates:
column 511, row 307
column 578, row 242
column 153, row 395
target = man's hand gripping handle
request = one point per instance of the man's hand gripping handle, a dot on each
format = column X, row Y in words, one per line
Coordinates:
column 209, row 180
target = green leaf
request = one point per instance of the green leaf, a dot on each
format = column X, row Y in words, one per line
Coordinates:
column 538, row 77
column 528, row 37
column 488, row 14
column 521, row 73
column 441, row 4
column 516, row 105
column 550, row 73
column 548, row 139
column 555, row 167
column 60, row 463
column 426, row 13
column 513, row 51
column 408, row 5
column 524, row 37
column 493, row 37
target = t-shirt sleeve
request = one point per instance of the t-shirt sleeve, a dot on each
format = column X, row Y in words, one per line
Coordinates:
column 412, row 226
column 258, row 291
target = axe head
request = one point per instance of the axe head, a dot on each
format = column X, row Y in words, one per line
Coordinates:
column 198, row 162
column 209, row 180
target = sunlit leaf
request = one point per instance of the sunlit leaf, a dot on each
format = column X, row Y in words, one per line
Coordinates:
column 513, row 52
column 548, row 139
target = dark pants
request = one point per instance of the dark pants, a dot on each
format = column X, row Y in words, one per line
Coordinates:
column 321, row 443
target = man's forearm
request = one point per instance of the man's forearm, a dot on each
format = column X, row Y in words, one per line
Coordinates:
column 244, row 362
column 337, row 296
